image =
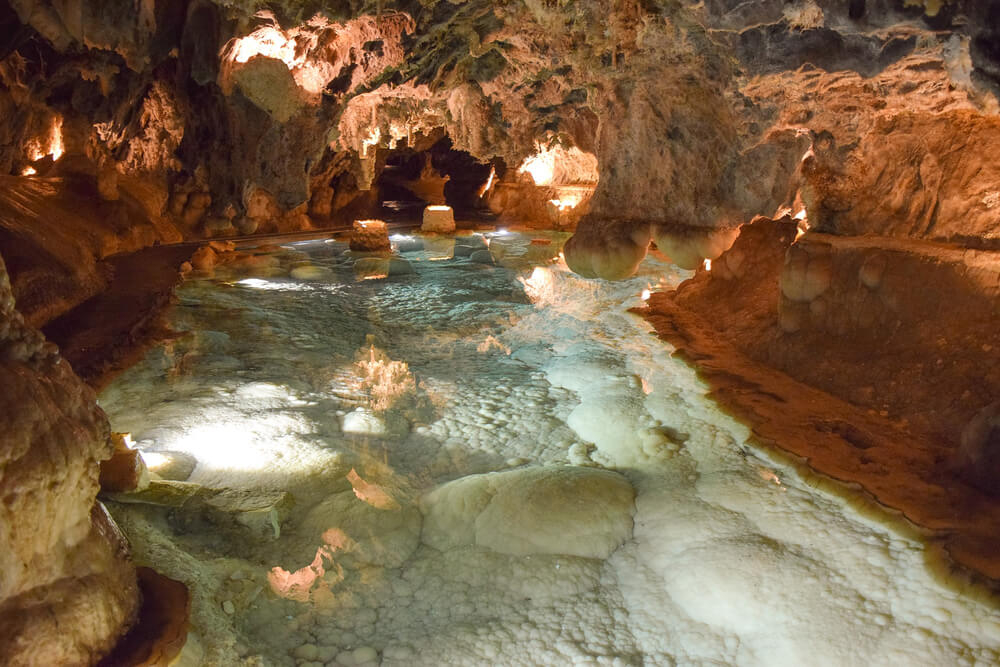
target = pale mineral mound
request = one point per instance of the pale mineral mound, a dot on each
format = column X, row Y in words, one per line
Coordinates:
column 567, row 510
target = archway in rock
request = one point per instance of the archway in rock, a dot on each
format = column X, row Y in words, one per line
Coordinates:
column 411, row 179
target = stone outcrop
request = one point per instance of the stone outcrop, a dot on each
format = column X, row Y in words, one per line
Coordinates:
column 67, row 587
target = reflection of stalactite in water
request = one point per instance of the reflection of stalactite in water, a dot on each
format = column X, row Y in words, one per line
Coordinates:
column 384, row 380
column 313, row 580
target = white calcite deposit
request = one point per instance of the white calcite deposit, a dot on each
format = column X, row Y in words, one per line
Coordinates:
column 559, row 491
column 547, row 510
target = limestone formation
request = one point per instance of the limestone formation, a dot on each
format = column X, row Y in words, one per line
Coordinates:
column 826, row 168
column 67, row 588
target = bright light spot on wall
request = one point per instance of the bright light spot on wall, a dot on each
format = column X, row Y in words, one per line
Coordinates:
column 489, row 183
column 51, row 145
column 272, row 42
column 374, row 136
column 56, row 147
column 555, row 164
column 541, row 167
column 155, row 460
column 565, row 203
column 267, row 41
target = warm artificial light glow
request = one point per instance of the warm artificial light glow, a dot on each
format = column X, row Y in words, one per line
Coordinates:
column 708, row 265
column 267, row 41
column 555, row 164
column 28, row 171
column 541, row 166
column 56, row 146
column 271, row 42
column 439, row 208
column 565, row 203
column 52, row 145
column 154, row 460
column 374, row 136
column 489, row 183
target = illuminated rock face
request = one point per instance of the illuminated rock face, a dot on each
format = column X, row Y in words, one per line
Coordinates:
column 611, row 251
column 689, row 247
column 67, row 589
column 370, row 236
column 697, row 115
column 440, row 219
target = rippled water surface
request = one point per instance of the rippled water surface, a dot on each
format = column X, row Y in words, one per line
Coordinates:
column 598, row 508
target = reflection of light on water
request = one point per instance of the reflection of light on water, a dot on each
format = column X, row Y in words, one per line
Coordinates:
column 384, row 380
column 565, row 203
column 490, row 343
column 539, row 286
column 370, row 493
column 258, row 283
column 298, row 585
column 224, row 445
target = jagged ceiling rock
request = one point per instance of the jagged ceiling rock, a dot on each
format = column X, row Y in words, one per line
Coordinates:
column 699, row 113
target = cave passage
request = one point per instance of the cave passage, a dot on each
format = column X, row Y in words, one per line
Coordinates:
column 440, row 175
column 429, row 484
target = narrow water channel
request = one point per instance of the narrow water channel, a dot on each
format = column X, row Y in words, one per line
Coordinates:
column 445, row 461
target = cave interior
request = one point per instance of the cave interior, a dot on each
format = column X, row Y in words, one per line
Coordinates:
column 522, row 332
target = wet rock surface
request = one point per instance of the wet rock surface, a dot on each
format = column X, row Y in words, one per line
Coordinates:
column 68, row 587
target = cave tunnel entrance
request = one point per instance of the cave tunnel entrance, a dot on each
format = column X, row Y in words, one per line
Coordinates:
column 412, row 179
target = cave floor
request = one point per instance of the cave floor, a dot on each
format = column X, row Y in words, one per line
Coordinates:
column 321, row 408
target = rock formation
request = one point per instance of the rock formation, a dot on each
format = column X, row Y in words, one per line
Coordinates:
column 68, row 589
column 862, row 132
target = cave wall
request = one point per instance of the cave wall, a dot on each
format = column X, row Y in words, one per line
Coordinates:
column 67, row 588
column 199, row 119
column 698, row 112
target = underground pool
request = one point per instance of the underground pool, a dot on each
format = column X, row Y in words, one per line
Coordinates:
column 467, row 455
